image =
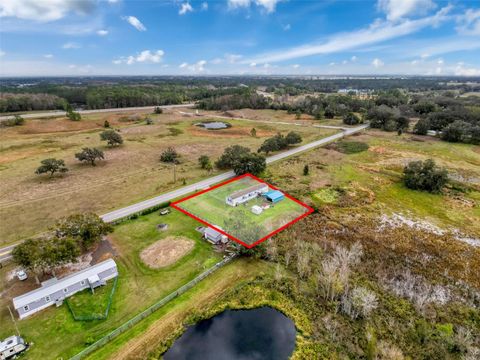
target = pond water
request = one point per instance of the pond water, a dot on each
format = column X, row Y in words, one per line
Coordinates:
column 258, row 334
column 214, row 125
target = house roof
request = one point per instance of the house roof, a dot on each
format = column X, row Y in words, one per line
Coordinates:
column 60, row 284
column 212, row 233
column 240, row 193
column 274, row 195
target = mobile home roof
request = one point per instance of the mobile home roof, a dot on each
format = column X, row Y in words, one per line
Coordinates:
column 67, row 281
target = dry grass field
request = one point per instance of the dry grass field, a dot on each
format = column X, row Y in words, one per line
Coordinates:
column 30, row 203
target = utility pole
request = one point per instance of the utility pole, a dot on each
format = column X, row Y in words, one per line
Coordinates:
column 13, row 319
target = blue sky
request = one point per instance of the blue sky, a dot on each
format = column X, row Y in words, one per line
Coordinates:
column 155, row 37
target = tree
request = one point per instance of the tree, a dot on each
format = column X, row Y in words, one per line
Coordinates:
column 243, row 228
column 274, row 143
column 329, row 112
column 230, row 154
column 28, row 255
column 306, row 170
column 106, row 124
column 253, row 132
column 456, row 132
column 298, row 114
column 351, row 119
column 425, row 175
column 112, row 137
column 87, row 229
column 158, row 110
column 72, row 115
column 293, row 138
column 249, row 163
column 204, row 161
column 402, row 123
column 90, row 155
column 169, row 155
column 422, row 126
column 51, row 166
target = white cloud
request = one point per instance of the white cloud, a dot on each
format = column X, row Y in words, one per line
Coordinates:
column 268, row 5
column 48, row 56
column 198, row 67
column 354, row 58
column 295, row 66
column 287, row 27
column 469, row 23
column 377, row 32
column 216, row 61
column 440, row 61
column 2, row 53
column 113, row 1
column 460, row 70
column 232, row 58
column 137, row 24
column 332, row 64
column 71, row 45
column 146, row 56
column 377, row 63
column 102, row 32
column 253, row 64
column 184, row 8
column 204, row 6
column 44, row 10
column 399, row 9
column 344, row 62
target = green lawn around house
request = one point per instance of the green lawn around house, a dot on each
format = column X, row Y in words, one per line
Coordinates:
column 212, row 208
column 55, row 334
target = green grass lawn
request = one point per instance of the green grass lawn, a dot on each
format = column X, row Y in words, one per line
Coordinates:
column 92, row 305
column 53, row 331
column 211, row 207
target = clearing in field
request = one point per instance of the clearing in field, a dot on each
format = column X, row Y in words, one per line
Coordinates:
column 246, row 209
column 166, row 251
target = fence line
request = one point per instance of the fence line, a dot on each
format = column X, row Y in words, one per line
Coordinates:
column 95, row 316
column 137, row 318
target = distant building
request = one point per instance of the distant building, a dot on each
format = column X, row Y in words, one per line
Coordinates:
column 241, row 196
column 12, row 346
column 54, row 291
column 214, row 236
column 274, row 196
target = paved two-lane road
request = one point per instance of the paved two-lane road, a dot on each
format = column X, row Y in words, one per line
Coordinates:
column 132, row 209
column 85, row 112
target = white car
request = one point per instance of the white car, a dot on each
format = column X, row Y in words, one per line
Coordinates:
column 21, row 275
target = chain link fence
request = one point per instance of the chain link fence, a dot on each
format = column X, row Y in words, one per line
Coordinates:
column 136, row 319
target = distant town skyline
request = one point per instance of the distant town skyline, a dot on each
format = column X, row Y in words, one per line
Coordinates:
column 239, row 37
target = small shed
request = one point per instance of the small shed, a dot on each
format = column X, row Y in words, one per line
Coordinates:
column 257, row 210
column 214, row 236
column 274, row 196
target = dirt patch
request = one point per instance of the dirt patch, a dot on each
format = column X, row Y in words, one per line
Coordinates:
column 166, row 251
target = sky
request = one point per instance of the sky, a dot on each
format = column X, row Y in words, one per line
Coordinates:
column 239, row 37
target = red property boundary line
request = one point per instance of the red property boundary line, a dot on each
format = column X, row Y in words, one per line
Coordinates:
column 308, row 212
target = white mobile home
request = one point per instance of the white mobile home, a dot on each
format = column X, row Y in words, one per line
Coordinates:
column 11, row 347
column 54, row 291
column 241, row 196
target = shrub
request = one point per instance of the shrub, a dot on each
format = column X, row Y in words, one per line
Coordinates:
column 158, row 110
column 422, row 126
column 17, row 120
column 90, row 155
column 51, row 166
column 111, row 137
column 169, row 155
column 351, row 147
column 425, row 175
column 351, row 119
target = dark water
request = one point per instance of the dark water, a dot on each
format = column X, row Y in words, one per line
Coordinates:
column 258, row 334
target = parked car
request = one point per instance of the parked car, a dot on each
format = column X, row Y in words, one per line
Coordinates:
column 165, row 211
column 11, row 347
column 22, row 275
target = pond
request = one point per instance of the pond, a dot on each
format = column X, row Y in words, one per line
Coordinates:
column 258, row 334
column 214, row 125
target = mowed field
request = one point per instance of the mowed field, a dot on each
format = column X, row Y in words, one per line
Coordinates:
column 211, row 207
column 30, row 203
column 53, row 331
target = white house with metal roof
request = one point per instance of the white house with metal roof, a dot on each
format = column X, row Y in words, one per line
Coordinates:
column 241, row 196
column 54, row 291
column 214, row 236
